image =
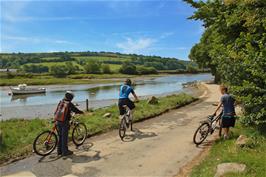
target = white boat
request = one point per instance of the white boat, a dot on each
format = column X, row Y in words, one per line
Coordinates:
column 24, row 89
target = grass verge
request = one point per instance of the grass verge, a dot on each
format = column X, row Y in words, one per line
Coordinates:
column 223, row 151
column 70, row 79
column 18, row 135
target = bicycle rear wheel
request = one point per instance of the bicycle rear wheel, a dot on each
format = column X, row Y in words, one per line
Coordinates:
column 79, row 134
column 45, row 143
column 201, row 133
column 122, row 128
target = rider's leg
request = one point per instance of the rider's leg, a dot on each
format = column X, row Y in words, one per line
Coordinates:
column 226, row 132
column 131, row 114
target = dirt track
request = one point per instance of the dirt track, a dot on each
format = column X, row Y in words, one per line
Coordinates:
column 157, row 147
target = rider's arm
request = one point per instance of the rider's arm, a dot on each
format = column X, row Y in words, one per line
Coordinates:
column 218, row 107
column 135, row 96
column 75, row 109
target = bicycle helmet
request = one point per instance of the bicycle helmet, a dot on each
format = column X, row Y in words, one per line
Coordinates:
column 69, row 95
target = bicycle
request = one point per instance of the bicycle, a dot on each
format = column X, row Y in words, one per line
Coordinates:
column 46, row 142
column 125, row 123
column 207, row 127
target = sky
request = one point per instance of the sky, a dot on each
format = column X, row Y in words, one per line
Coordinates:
column 148, row 27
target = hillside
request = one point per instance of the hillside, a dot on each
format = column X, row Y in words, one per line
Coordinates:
column 91, row 62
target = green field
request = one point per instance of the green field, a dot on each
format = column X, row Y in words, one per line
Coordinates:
column 18, row 135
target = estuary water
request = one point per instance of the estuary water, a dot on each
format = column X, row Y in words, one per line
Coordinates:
column 99, row 95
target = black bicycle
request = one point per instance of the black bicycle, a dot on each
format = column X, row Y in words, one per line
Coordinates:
column 207, row 127
column 125, row 123
column 46, row 142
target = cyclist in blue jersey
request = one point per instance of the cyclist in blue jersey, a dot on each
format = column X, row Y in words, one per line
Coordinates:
column 124, row 92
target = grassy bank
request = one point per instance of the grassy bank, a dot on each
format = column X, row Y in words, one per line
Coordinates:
column 253, row 155
column 70, row 79
column 18, row 135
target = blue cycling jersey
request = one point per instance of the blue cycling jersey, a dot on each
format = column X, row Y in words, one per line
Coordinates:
column 125, row 90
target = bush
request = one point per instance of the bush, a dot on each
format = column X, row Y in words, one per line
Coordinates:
column 128, row 68
column 35, row 68
column 146, row 70
column 59, row 70
column 93, row 67
column 71, row 69
column 106, row 69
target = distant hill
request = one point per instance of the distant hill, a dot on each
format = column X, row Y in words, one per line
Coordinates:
column 82, row 61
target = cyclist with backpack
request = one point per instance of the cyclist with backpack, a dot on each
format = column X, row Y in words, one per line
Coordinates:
column 124, row 92
column 62, row 118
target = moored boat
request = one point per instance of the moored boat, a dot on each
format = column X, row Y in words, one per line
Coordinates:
column 24, row 89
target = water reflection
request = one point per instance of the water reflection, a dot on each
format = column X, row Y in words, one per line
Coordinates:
column 104, row 91
column 23, row 98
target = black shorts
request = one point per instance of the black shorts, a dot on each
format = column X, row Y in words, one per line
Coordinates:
column 125, row 101
column 228, row 121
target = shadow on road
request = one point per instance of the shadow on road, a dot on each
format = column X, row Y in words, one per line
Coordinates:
column 53, row 157
column 138, row 135
column 84, row 158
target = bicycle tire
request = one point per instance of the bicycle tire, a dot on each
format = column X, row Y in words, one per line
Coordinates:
column 122, row 128
column 83, row 137
column 53, row 135
column 207, row 125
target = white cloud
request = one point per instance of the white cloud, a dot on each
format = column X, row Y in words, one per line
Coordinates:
column 166, row 34
column 135, row 46
column 22, row 39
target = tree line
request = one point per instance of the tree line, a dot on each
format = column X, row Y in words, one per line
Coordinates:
column 233, row 46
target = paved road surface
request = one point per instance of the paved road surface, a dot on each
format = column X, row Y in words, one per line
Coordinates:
column 158, row 147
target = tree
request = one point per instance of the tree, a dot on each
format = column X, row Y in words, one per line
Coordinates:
column 106, row 69
column 35, row 68
column 128, row 68
column 234, row 47
column 59, row 70
column 71, row 69
column 146, row 70
column 93, row 67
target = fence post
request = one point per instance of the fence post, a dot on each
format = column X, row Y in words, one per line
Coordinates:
column 87, row 105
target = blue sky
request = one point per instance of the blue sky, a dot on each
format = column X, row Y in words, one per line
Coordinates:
column 158, row 27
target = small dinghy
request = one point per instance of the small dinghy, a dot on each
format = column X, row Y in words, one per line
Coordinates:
column 24, row 89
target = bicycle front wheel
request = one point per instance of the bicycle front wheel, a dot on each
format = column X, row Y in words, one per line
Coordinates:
column 201, row 133
column 122, row 128
column 45, row 143
column 79, row 134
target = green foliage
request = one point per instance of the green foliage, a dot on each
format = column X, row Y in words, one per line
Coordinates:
column 106, row 69
column 146, row 70
column 192, row 69
column 233, row 46
column 32, row 68
column 59, row 70
column 93, row 67
column 71, row 68
column 128, row 68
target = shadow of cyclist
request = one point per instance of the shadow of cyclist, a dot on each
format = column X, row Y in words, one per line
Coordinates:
column 137, row 134
column 53, row 157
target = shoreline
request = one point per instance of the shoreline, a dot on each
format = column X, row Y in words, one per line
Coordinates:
column 46, row 111
column 93, row 80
